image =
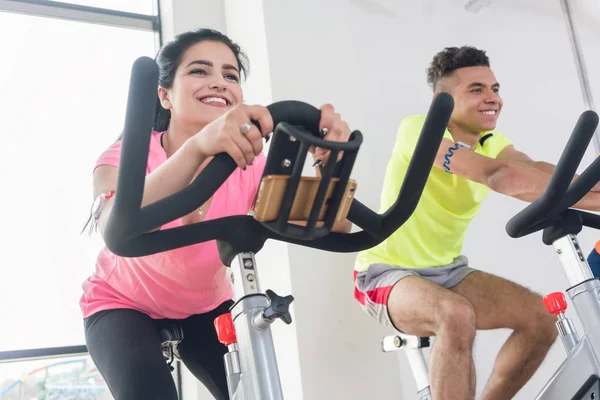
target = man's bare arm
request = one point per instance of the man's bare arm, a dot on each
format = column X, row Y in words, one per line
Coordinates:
column 510, row 177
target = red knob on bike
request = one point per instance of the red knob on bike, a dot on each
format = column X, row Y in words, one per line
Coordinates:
column 555, row 303
column 225, row 329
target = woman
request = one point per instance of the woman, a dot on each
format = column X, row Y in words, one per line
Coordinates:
column 128, row 300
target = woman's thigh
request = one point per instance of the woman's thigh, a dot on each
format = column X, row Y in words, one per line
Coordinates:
column 125, row 346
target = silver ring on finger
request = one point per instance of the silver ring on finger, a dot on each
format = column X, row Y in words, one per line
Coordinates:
column 246, row 128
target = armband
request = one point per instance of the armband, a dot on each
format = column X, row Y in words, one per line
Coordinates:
column 96, row 210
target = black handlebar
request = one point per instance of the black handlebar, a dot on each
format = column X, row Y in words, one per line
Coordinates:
column 125, row 233
column 560, row 194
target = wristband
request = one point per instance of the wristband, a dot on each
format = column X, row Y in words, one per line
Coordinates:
column 450, row 153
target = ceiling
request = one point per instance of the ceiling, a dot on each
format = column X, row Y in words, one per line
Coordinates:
column 584, row 12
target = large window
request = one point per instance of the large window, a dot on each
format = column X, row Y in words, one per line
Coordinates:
column 145, row 7
column 63, row 92
column 59, row 378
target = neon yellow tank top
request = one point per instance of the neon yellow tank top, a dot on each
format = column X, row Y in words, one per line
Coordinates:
column 434, row 234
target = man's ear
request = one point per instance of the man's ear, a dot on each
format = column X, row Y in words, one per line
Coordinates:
column 163, row 95
column 436, row 93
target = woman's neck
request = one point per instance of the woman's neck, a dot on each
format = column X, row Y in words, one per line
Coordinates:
column 175, row 136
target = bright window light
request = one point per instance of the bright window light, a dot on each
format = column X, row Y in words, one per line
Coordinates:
column 146, row 7
column 63, row 93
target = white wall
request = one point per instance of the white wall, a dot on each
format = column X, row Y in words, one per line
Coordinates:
column 313, row 59
column 368, row 58
column 246, row 25
column 231, row 17
column 179, row 16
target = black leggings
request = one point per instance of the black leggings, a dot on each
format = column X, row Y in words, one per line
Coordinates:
column 126, row 348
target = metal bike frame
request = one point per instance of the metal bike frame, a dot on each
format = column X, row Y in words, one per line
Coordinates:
column 412, row 346
column 577, row 376
column 251, row 363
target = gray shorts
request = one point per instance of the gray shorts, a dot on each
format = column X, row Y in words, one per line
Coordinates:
column 373, row 286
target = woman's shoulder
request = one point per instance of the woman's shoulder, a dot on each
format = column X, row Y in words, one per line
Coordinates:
column 112, row 154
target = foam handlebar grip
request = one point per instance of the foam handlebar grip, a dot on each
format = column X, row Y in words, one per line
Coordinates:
column 377, row 227
column 290, row 111
column 128, row 221
column 551, row 202
column 296, row 113
column 420, row 164
column 139, row 121
column 127, row 230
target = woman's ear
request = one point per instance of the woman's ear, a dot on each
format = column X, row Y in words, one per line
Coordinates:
column 163, row 95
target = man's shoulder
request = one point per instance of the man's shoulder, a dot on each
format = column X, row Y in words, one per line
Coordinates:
column 493, row 142
column 410, row 126
column 493, row 134
column 415, row 120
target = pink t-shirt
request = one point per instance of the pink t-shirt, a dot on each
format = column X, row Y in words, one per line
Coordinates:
column 177, row 283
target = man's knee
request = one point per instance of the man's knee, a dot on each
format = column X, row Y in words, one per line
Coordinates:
column 539, row 324
column 545, row 329
column 456, row 320
column 550, row 333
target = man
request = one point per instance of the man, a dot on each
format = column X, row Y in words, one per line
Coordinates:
column 418, row 281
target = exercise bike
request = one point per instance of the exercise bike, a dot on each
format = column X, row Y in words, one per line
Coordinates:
column 578, row 377
column 284, row 196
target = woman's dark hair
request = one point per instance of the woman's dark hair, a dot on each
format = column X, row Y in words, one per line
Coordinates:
column 169, row 58
column 450, row 59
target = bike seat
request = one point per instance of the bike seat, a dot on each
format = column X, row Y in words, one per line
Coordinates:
column 170, row 337
column 172, row 334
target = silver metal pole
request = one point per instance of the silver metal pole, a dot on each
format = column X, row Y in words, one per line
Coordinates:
column 572, row 259
column 259, row 378
column 580, row 64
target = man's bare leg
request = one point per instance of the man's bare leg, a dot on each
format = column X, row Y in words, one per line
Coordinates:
column 420, row 307
column 451, row 371
column 499, row 303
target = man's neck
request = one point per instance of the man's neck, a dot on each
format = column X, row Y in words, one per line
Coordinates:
column 460, row 134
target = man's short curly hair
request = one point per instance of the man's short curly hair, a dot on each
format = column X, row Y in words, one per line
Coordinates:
column 450, row 59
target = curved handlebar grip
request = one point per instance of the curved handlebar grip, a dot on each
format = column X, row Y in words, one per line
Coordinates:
column 377, row 228
column 296, row 113
column 582, row 185
column 139, row 120
column 420, row 164
column 127, row 221
column 551, row 201
column 219, row 169
column 125, row 234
